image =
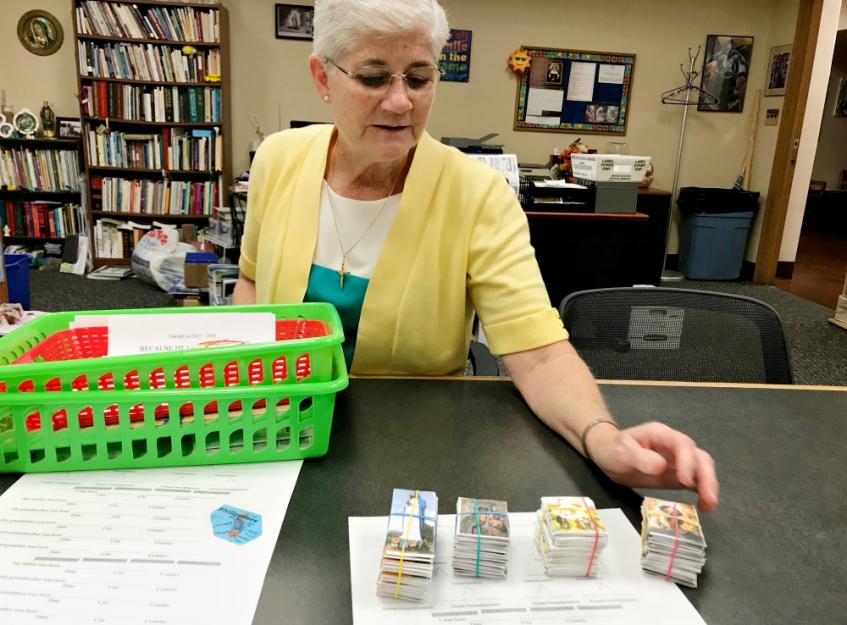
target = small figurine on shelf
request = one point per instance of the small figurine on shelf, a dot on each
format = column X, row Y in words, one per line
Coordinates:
column 48, row 120
column 560, row 160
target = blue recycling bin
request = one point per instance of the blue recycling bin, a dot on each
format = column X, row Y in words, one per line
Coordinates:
column 17, row 278
column 712, row 247
column 715, row 226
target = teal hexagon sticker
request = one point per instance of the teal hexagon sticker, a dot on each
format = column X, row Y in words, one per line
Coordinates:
column 236, row 525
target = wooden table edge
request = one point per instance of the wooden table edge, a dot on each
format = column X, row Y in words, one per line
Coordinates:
column 455, row 378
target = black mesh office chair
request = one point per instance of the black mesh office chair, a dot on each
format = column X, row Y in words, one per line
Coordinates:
column 677, row 334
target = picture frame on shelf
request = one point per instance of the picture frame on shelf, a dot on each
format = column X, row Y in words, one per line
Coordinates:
column 778, row 67
column 726, row 65
column 69, row 127
column 40, row 32
column 294, row 21
column 26, row 123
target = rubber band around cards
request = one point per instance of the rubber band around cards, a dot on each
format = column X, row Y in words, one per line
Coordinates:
column 478, row 536
column 675, row 544
column 403, row 542
column 596, row 537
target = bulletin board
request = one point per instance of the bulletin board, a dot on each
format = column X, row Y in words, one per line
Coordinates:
column 575, row 91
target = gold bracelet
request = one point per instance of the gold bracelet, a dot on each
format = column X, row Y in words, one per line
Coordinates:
column 588, row 428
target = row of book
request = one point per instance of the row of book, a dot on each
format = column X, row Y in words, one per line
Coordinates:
column 39, row 170
column 154, row 197
column 174, row 149
column 41, row 219
column 116, row 239
column 163, row 23
column 151, row 104
column 150, row 62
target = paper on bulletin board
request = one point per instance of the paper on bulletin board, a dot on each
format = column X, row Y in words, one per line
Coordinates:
column 542, row 121
column 541, row 101
column 611, row 74
column 581, row 82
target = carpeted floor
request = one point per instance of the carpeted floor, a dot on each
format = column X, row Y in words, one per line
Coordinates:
column 818, row 348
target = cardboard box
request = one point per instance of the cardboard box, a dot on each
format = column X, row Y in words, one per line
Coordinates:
column 197, row 269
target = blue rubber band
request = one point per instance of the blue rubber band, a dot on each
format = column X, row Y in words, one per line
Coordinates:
column 478, row 536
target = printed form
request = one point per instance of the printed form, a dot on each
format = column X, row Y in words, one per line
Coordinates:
column 182, row 546
column 625, row 594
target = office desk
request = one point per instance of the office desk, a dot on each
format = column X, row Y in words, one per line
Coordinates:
column 577, row 251
column 776, row 543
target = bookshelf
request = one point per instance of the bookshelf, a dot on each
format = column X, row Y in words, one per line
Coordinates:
column 40, row 198
column 154, row 104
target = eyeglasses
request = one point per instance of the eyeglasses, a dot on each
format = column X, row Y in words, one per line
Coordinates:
column 377, row 79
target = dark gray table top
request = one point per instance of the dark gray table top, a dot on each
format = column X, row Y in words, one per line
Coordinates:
column 777, row 542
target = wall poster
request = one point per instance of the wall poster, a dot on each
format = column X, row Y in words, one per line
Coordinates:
column 455, row 59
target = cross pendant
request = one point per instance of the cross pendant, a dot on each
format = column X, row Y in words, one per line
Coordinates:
column 342, row 273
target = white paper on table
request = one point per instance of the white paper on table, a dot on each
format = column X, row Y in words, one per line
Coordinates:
column 543, row 121
column 145, row 334
column 611, row 74
column 624, row 593
column 129, row 547
column 506, row 164
column 540, row 101
column 581, row 82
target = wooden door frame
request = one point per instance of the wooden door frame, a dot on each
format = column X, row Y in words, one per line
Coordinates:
column 788, row 140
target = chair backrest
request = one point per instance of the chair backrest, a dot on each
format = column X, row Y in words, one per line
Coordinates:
column 652, row 333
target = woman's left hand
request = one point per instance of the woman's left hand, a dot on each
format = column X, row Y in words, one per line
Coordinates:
column 653, row 455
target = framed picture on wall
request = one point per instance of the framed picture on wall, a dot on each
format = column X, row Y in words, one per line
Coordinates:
column 294, row 21
column 726, row 65
column 778, row 70
column 841, row 99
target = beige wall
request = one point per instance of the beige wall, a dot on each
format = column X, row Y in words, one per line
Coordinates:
column 781, row 33
column 29, row 79
column 831, row 157
column 270, row 79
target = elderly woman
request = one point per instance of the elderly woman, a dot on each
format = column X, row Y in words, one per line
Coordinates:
column 408, row 238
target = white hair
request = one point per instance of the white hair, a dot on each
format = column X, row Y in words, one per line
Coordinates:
column 340, row 24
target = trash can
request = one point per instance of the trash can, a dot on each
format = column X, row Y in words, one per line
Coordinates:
column 17, row 278
column 715, row 227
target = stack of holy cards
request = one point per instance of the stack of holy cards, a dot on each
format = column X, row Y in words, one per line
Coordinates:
column 481, row 545
column 672, row 542
column 405, row 571
column 570, row 536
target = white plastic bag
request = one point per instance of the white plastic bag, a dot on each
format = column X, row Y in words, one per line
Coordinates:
column 159, row 258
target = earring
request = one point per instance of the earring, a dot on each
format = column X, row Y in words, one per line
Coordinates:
column 326, row 98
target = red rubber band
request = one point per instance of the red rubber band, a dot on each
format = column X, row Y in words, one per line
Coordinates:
column 675, row 545
column 596, row 537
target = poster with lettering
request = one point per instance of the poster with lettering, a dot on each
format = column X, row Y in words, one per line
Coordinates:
column 455, row 59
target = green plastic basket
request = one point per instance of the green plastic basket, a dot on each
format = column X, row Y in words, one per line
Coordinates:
column 169, row 417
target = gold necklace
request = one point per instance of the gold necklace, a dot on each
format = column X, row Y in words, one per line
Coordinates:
column 329, row 192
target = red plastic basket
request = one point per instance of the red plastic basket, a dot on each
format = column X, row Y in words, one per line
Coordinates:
column 93, row 342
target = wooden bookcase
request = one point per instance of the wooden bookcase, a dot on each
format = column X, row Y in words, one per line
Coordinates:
column 35, row 164
column 151, row 101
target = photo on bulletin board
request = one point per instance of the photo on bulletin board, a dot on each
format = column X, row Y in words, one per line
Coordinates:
column 725, row 68
column 778, row 70
column 575, row 91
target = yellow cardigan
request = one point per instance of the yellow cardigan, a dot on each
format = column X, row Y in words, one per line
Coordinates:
column 459, row 242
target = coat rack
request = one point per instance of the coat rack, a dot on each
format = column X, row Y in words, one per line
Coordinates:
column 675, row 96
